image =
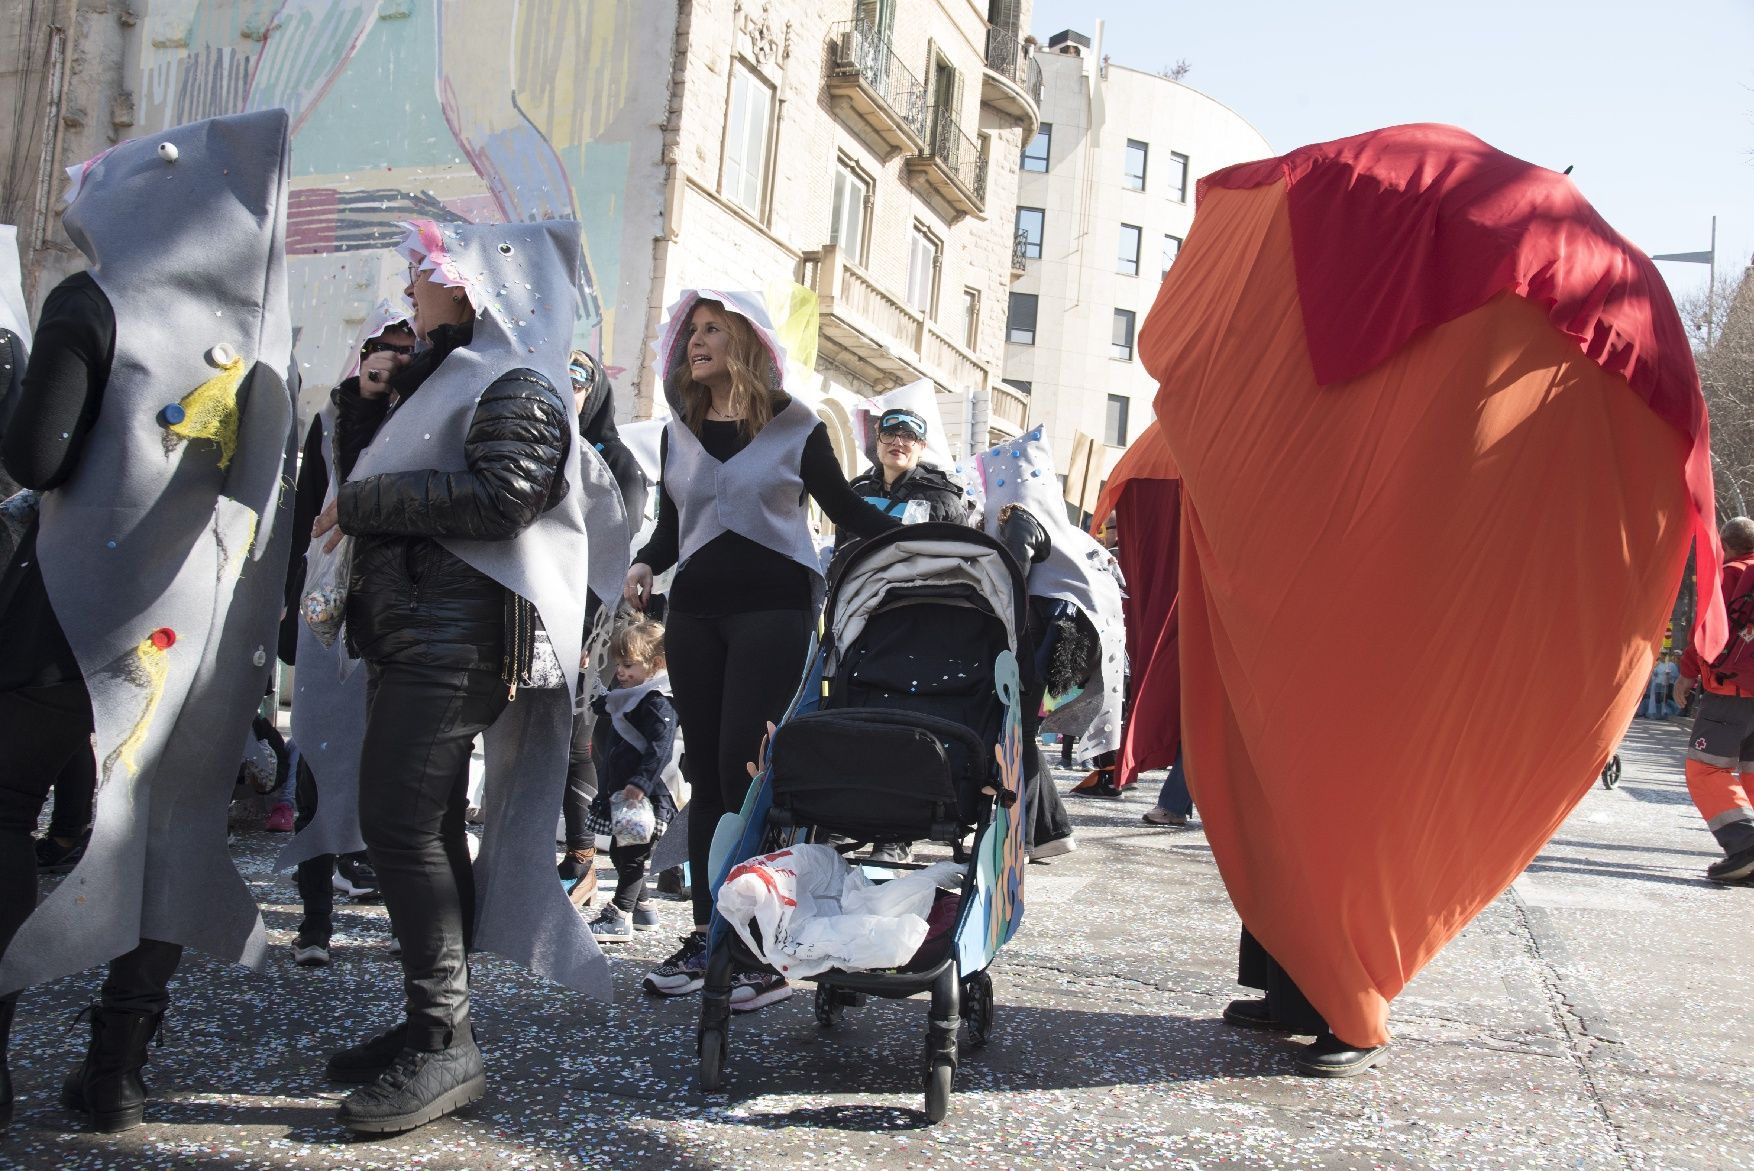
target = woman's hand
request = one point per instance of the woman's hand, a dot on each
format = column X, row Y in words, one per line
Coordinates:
column 329, row 521
column 638, row 586
column 375, row 371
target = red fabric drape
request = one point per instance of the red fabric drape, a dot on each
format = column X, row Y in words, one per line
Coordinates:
column 1147, row 521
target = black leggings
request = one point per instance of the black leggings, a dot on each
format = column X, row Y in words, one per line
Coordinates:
column 581, row 781
column 631, row 865
column 730, row 675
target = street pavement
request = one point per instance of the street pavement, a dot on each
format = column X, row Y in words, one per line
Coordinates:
column 1599, row 1014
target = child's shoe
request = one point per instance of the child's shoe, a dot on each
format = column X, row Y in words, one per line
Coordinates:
column 645, row 916
column 612, row 926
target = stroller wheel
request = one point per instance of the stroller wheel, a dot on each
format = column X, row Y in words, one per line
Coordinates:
column 1611, row 773
column 977, row 1008
column 938, row 1078
column 828, row 1007
column 712, row 1060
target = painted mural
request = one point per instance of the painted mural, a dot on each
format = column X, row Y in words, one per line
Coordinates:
column 474, row 110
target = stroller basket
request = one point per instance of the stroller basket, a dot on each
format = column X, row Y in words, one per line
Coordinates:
column 880, row 773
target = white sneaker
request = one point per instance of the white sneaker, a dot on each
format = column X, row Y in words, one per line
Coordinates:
column 310, row 953
column 755, row 989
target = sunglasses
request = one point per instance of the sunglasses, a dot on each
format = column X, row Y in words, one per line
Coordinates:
column 376, row 346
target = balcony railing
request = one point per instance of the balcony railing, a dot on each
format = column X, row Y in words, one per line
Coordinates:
column 863, row 52
column 1010, row 407
column 1020, row 252
column 1007, row 57
column 958, row 154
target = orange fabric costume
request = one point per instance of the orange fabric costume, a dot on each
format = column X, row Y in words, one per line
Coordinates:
column 1443, row 452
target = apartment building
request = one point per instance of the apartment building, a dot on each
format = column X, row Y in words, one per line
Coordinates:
column 1105, row 199
column 867, row 150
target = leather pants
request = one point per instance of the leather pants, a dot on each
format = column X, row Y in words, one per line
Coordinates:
column 421, row 723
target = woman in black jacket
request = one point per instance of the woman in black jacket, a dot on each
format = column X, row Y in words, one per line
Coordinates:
column 442, row 666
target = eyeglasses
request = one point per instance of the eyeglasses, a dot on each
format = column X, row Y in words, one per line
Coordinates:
column 900, row 438
column 377, row 345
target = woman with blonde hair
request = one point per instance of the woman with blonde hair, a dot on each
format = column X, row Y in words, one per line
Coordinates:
column 739, row 458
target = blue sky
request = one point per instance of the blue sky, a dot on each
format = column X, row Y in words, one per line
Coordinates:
column 1652, row 101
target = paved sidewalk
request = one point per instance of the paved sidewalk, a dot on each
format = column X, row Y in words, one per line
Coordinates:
column 1599, row 1015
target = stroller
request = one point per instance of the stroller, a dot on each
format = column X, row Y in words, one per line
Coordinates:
column 907, row 726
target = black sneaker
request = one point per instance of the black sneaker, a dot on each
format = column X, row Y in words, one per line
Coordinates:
column 683, row 972
column 753, row 988
column 670, row 881
column 355, row 878
column 54, row 858
column 366, row 1061
column 1733, row 869
column 419, row 1086
column 311, row 951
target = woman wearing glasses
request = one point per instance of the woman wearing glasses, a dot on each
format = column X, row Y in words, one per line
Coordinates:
column 899, row 477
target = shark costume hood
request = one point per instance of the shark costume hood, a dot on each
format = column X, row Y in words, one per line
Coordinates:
column 165, row 555
column 1077, row 570
column 521, row 280
column 328, row 698
column 920, row 397
column 757, row 493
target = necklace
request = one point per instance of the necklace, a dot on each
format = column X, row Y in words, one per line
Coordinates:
column 715, row 413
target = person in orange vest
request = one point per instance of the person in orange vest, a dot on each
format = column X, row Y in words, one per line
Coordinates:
column 1720, row 754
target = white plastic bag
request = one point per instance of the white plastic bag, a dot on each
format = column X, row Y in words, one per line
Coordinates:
column 323, row 604
column 631, row 823
column 814, row 912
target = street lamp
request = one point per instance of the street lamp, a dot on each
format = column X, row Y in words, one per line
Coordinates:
column 1707, row 258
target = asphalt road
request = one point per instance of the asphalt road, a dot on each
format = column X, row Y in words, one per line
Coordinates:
column 1600, row 1014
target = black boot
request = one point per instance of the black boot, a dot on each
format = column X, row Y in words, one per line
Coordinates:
column 107, row 1083
column 6, row 1007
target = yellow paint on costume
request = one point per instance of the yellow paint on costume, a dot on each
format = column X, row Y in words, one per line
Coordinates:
column 210, row 411
column 148, row 666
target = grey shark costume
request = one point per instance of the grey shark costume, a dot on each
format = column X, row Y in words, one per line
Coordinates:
column 163, row 554
column 14, row 333
column 1077, row 570
column 520, row 279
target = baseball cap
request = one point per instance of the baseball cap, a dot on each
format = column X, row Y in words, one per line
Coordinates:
column 902, row 420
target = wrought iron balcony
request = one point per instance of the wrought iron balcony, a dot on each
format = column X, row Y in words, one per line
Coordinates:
column 1019, row 253
column 871, row 85
column 953, row 166
column 1011, row 83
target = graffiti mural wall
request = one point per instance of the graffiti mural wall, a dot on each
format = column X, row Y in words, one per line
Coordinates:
column 478, row 110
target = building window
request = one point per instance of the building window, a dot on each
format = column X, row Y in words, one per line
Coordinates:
column 922, row 272
column 1134, row 177
column 1021, row 387
column 1030, row 221
column 1115, row 426
column 1178, row 177
column 1035, row 154
column 1020, row 323
column 1127, row 262
column 748, row 133
column 1172, row 248
column 971, row 319
column 852, row 211
column 1123, row 335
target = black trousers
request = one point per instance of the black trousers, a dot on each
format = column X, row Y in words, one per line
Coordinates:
column 44, row 729
column 315, row 890
column 729, row 675
column 75, row 794
column 420, row 725
column 631, row 866
column 1286, row 1002
column 581, row 782
column 1048, row 819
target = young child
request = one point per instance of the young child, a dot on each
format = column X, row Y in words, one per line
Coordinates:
column 634, row 745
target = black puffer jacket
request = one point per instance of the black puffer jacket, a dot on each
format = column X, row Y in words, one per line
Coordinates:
column 923, row 482
column 411, row 600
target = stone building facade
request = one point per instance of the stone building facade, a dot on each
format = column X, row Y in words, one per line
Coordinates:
column 1105, row 197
